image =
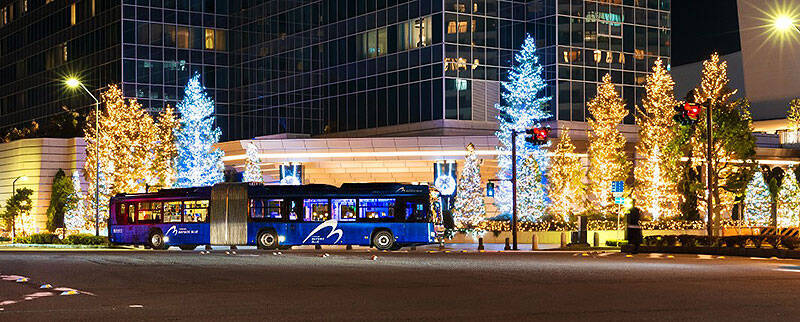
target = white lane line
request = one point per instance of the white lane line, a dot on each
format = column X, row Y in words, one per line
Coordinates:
column 138, row 306
column 701, row 256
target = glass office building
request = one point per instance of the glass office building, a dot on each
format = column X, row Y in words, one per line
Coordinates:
column 325, row 66
column 150, row 48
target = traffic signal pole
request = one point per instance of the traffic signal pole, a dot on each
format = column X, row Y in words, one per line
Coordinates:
column 712, row 221
column 514, row 189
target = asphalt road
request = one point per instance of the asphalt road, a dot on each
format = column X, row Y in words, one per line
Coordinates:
column 304, row 285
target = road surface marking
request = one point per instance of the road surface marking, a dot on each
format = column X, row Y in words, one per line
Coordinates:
column 701, row 256
column 136, row 306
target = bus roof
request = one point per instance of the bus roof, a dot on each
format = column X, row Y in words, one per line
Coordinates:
column 309, row 190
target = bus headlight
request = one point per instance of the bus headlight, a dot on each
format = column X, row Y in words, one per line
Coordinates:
column 281, row 238
column 166, row 239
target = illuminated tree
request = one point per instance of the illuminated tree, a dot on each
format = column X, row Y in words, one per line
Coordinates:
column 732, row 137
column 531, row 202
column 199, row 163
column 252, row 169
column 564, row 186
column 126, row 135
column 469, row 209
column 16, row 214
column 788, row 201
column 757, row 201
column 656, row 188
column 794, row 114
column 164, row 150
column 525, row 107
column 607, row 159
column 74, row 218
column 61, row 195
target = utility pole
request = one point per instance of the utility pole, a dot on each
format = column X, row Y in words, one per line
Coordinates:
column 514, row 189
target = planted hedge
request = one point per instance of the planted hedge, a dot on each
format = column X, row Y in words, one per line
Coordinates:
column 742, row 241
column 50, row 238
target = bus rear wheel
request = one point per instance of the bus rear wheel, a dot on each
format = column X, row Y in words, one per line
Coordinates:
column 156, row 240
column 383, row 240
column 267, row 240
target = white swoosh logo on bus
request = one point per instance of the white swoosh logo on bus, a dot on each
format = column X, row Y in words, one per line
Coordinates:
column 172, row 229
column 330, row 223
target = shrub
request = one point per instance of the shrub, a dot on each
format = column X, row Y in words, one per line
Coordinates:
column 729, row 241
column 616, row 243
column 687, row 240
column 42, row 238
column 4, row 239
column 774, row 240
column 707, row 241
column 670, row 240
column 790, row 242
column 651, row 240
column 86, row 239
column 757, row 241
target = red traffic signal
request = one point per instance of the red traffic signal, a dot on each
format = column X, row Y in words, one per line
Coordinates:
column 538, row 135
column 692, row 111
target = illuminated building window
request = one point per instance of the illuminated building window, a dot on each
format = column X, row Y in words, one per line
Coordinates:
column 451, row 27
column 220, row 40
column 462, row 26
column 183, row 37
column 209, row 38
column 64, row 51
column 73, row 18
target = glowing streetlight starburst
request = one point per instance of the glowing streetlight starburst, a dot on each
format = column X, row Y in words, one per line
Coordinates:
column 784, row 23
column 73, row 82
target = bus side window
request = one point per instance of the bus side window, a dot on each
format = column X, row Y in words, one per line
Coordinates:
column 122, row 214
column 292, row 210
column 376, row 209
column 172, row 211
column 415, row 212
column 195, row 210
column 256, row 209
column 131, row 212
column 316, row 209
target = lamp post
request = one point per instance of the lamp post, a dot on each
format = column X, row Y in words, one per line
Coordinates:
column 74, row 83
column 14, row 220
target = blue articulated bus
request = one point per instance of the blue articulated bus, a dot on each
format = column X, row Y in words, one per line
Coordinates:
column 386, row 216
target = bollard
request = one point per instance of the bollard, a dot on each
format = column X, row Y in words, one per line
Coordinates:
column 349, row 247
column 480, row 243
column 508, row 247
column 596, row 239
column 317, row 246
column 534, row 242
column 563, row 239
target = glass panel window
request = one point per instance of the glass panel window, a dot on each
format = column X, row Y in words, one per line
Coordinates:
column 149, row 212
column 219, row 40
column 344, row 209
column 416, row 212
column 195, row 210
column 316, row 209
column 172, row 211
column 256, row 209
column 265, row 209
column 183, row 37
column 209, row 38
column 376, row 209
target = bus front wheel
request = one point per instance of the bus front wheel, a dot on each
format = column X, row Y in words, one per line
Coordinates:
column 156, row 240
column 267, row 240
column 383, row 240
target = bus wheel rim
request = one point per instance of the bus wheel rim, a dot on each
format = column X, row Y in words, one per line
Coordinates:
column 156, row 240
column 267, row 239
column 383, row 240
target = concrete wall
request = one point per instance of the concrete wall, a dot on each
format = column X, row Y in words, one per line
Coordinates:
column 38, row 160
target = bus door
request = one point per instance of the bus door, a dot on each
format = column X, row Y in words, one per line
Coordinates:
column 228, row 214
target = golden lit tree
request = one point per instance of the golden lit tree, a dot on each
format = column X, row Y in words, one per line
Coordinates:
column 732, row 138
column 607, row 159
column 564, row 186
column 126, row 141
column 656, row 188
column 794, row 114
column 164, row 149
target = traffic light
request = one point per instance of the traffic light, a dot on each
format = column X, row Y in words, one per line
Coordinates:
column 490, row 189
column 538, row 135
column 687, row 114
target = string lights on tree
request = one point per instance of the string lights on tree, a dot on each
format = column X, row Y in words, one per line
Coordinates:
column 524, row 108
column 252, row 169
column 75, row 216
column 164, row 150
column 531, row 202
column 199, row 163
column 469, row 207
column 789, row 201
column 757, row 201
column 564, row 188
column 656, row 188
column 607, row 159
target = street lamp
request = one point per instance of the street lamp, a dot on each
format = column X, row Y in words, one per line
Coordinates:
column 785, row 23
column 73, row 82
column 13, row 192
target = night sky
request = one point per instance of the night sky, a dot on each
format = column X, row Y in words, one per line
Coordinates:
column 701, row 27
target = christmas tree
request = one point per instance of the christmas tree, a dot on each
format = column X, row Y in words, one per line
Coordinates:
column 469, row 208
column 656, row 186
column 252, row 170
column 607, row 159
column 524, row 108
column 164, row 149
column 74, row 218
column 564, row 186
column 788, row 198
column 531, row 204
column 757, row 201
column 198, row 162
